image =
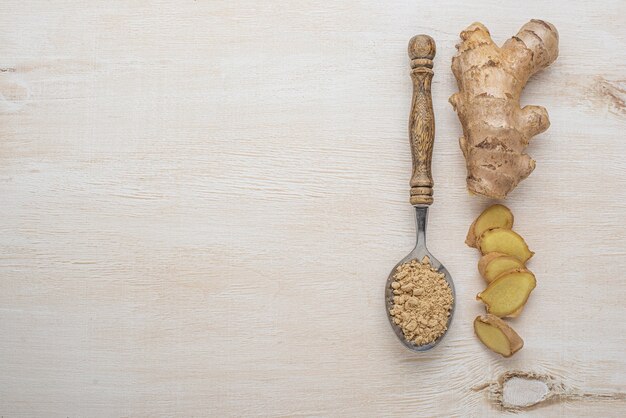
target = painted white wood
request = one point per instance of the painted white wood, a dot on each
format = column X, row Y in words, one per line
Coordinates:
column 201, row 200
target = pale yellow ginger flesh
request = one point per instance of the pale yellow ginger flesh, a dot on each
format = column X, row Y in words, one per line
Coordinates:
column 505, row 241
column 492, row 265
column 496, row 131
column 497, row 335
column 508, row 293
column 495, row 216
column 516, row 313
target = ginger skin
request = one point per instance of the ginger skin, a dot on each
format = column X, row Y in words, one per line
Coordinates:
column 497, row 335
column 496, row 130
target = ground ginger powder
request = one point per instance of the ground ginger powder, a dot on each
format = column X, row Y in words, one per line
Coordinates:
column 422, row 301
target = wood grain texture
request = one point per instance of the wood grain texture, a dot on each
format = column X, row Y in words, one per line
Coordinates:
column 201, row 201
column 422, row 119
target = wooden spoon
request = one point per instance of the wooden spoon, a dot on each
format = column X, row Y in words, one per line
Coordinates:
column 422, row 135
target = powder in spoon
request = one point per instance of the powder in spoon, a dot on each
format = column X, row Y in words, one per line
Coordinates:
column 422, row 301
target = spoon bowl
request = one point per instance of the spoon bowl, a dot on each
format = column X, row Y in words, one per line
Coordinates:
column 418, row 253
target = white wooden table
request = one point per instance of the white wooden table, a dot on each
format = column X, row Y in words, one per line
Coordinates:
column 200, row 202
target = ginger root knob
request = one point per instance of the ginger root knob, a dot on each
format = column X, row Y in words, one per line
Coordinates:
column 496, row 130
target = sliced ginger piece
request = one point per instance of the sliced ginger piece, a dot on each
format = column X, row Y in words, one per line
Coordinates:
column 497, row 335
column 519, row 310
column 492, row 265
column 505, row 241
column 508, row 293
column 495, row 216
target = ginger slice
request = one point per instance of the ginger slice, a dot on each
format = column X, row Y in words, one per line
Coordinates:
column 497, row 335
column 492, row 265
column 505, row 241
column 508, row 293
column 495, row 216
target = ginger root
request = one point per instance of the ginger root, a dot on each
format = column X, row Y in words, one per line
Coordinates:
column 508, row 293
column 497, row 335
column 496, row 130
column 495, row 216
column 492, row 265
column 505, row 241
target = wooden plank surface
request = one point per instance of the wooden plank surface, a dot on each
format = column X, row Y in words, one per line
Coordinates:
column 200, row 202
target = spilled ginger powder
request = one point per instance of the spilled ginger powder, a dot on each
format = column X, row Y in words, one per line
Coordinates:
column 422, row 301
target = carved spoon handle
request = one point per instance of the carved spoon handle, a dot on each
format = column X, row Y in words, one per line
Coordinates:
column 422, row 120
